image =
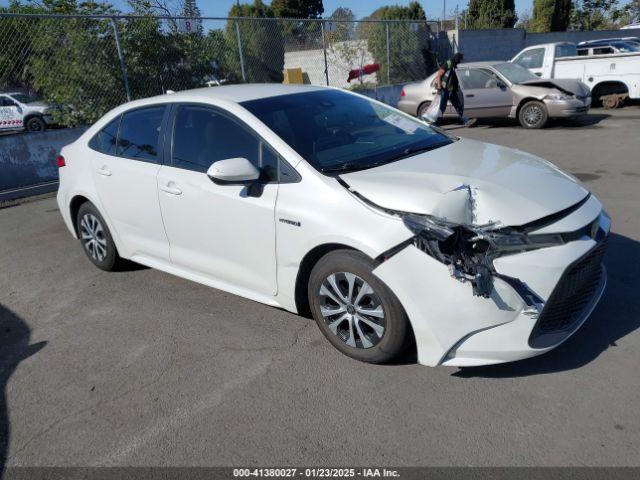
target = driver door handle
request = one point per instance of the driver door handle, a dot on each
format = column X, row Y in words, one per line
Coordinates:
column 170, row 189
column 104, row 171
column 469, row 95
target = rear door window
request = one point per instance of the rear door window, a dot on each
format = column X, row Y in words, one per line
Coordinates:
column 139, row 134
column 565, row 51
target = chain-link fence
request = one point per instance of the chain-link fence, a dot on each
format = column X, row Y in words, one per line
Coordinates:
column 82, row 66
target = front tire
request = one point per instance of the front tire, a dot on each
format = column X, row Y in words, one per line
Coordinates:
column 96, row 238
column 533, row 114
column 355, row 310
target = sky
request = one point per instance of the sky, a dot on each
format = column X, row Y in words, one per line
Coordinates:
column 361, row 8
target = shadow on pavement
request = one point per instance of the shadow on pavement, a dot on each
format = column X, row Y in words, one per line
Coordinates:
column 585, row 121
column 14, row 348
column 617, row 315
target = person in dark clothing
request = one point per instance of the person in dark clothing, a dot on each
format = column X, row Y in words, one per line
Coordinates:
column 448, row 85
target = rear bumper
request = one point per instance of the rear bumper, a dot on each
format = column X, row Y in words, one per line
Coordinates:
column 409, row 107
column 454, row 327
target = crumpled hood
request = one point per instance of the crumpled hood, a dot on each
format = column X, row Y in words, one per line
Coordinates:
column 470, row 182
column 567, row 85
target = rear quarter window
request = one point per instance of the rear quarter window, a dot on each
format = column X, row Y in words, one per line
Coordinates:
column 105, row 140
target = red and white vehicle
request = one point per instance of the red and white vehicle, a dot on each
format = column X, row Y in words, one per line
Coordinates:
column 20, row 111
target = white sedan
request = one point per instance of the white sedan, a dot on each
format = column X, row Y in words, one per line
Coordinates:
column 321, row 201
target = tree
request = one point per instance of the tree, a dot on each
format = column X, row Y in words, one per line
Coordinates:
column 525, row 21
column 551, row 15
column 407, row 42
column 595, row 14
column 297, row 8
column 262, row 44
column 634, row 10
column 72, row 62
column 298, row 33
column 344, row 26
column 491, row 14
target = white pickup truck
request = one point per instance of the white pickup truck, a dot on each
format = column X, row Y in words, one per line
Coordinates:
column 20, row 111
column 612, row 78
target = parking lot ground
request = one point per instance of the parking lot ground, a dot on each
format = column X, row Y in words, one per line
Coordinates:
column 143, row 368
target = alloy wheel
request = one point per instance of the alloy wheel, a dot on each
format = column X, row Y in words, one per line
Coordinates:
column 352, row 310
column 532, row 115
column 93, row 237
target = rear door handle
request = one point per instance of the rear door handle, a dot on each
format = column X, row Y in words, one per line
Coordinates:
column 104, row 171
column 171, row 190
column 469, row 95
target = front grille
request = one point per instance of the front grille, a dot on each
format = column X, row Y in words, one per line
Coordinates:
column 573, row 293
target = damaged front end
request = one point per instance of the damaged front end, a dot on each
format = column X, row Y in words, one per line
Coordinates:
column 469, row 249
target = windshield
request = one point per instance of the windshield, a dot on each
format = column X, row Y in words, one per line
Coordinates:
column 514, row 73
column 24, row 98
column 336, row 131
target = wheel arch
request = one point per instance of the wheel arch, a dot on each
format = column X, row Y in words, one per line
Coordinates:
column 524, row 101
column 421, row 104
column 31, row 115
column 609, row 86
column 74, row 207
column 304, row 273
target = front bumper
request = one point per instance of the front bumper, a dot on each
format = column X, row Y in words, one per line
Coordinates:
column 568, row 108
column 453, row 327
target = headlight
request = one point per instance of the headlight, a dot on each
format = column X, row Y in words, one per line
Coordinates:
column 418, row 224
column 469, row 250
column 499, row 240
column 558, row 97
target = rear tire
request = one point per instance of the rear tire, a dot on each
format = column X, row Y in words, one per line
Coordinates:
column 96, row 238
column 35, row 124
column 355, row 310
column 422, row 109
column 533, row 114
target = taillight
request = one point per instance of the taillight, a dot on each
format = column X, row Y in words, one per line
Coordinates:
column 60, row 161
column 402, row 94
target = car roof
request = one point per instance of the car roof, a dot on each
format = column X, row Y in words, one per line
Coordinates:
column 604, row 43
column 240, row 93
column 483, row 64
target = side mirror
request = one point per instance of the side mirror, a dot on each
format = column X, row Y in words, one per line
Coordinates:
column 502, row 85
column 233, row 171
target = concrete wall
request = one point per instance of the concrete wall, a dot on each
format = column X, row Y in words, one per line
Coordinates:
column 28, row 159
column 341, row 58
column 504, row 44
column 494, row 44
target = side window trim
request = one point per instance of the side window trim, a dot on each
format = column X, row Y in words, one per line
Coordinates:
column 169, row 140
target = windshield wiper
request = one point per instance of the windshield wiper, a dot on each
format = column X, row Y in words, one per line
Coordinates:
column 411, row 151
column 345, row 167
